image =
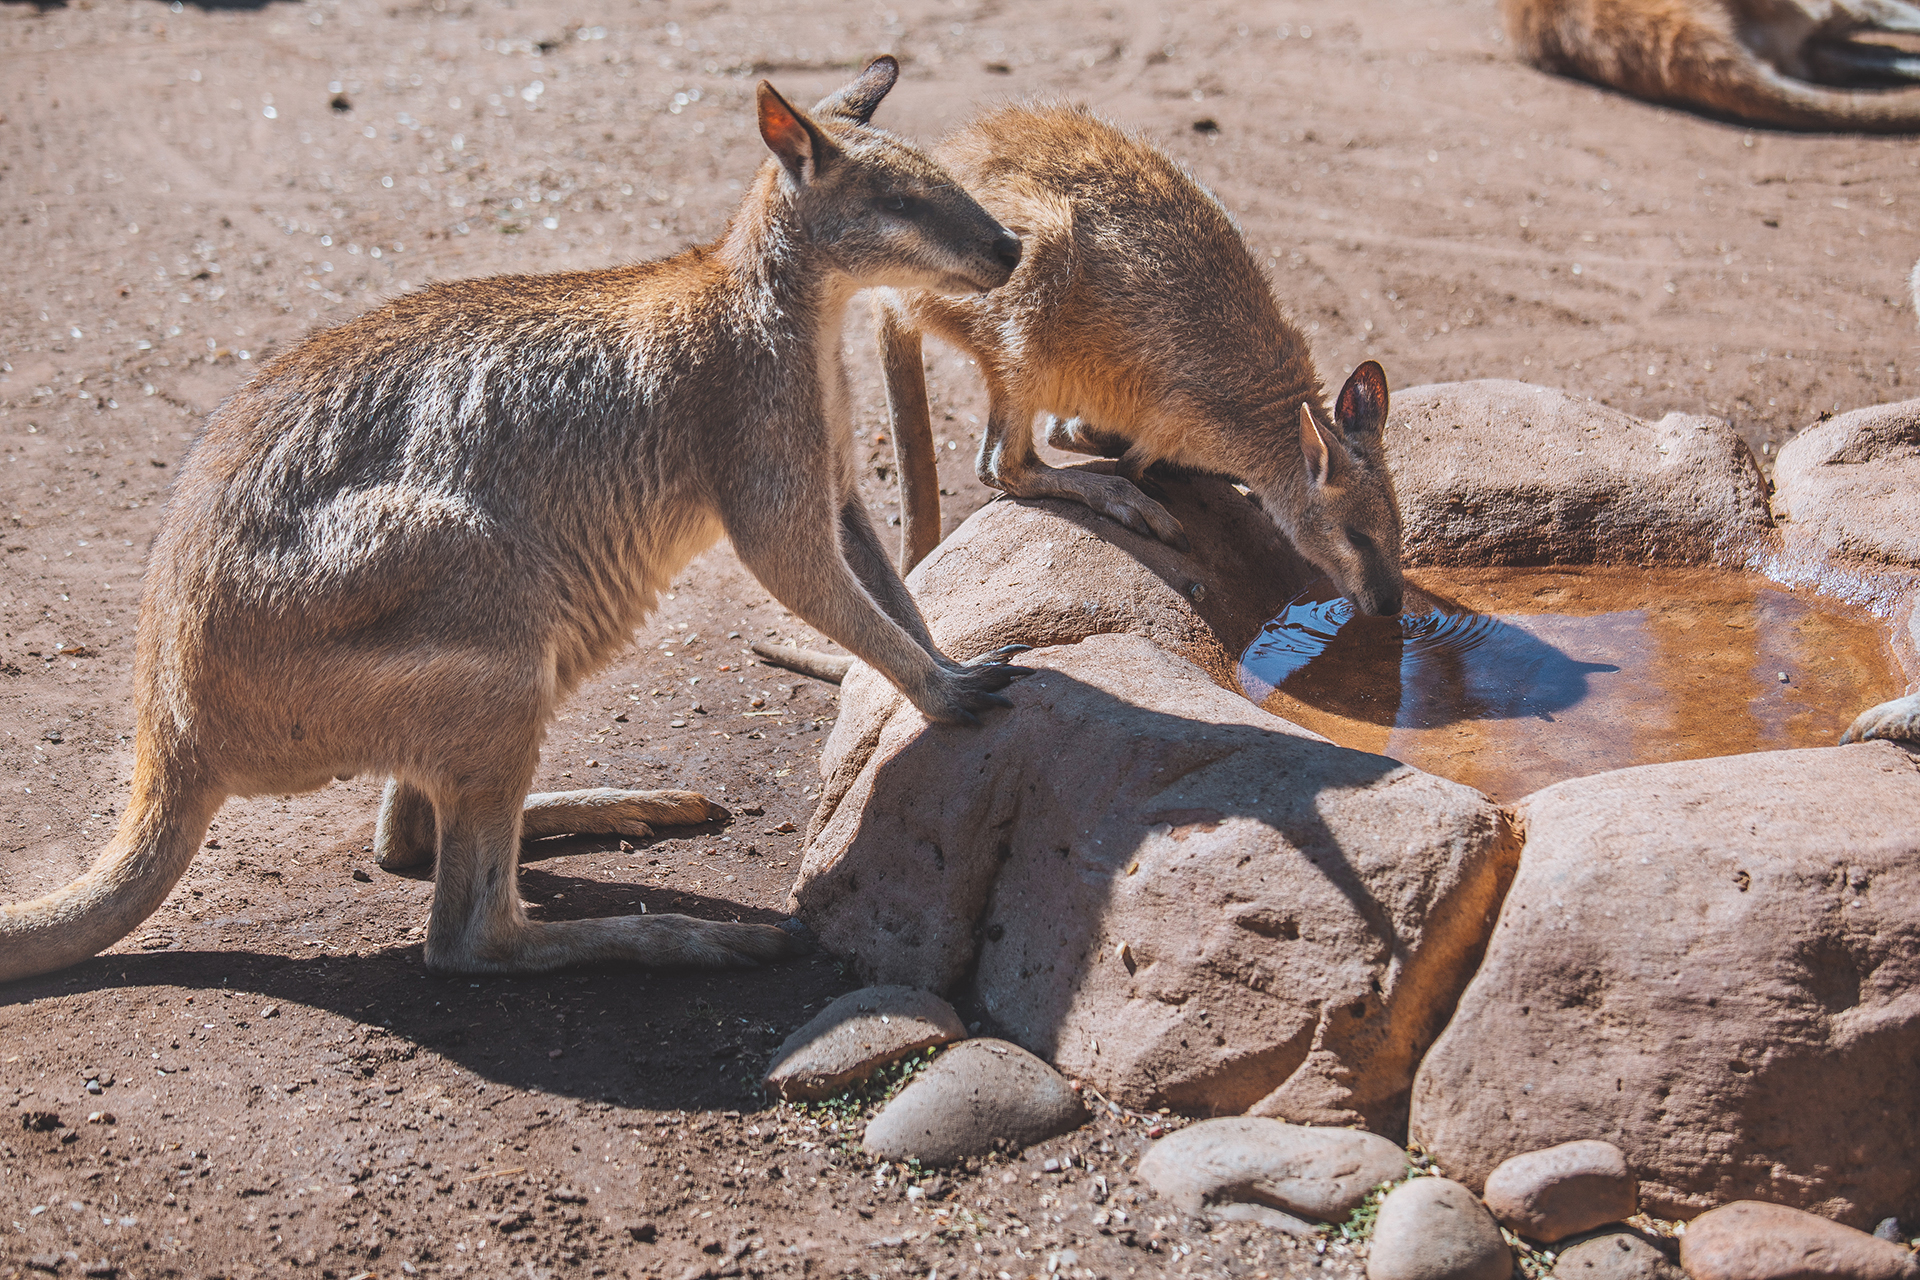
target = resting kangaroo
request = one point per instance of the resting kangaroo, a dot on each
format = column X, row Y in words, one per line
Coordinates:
column 1138, row 319
column 410, row 537
column 1746, row 59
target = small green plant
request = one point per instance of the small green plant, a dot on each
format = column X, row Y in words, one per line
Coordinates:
column 1360, row 1223
column 1528, row 1262
column 857, row 1102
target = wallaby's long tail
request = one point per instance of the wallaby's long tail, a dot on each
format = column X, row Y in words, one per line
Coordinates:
column 808, row 662
column 1771, row 98
column 158, row 836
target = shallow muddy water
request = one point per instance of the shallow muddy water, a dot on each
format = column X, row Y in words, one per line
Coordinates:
column 1511, row 679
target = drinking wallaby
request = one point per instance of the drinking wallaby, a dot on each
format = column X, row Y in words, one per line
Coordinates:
column 409, row 538
column 1780, row 62
column 1138, row 319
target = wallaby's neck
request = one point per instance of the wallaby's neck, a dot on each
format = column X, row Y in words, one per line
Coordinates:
column 780, row 272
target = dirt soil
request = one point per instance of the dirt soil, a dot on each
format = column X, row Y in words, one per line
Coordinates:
column 186, row 189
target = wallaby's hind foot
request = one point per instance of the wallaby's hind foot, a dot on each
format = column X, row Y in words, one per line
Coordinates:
column 405, row 836
column 608, row 811
column 660, row 942
column 1116, row 497
column 1898, row 721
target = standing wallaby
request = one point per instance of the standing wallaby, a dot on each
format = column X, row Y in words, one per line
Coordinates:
column 1780, row 62
column 1138, row 319
column 409, row 538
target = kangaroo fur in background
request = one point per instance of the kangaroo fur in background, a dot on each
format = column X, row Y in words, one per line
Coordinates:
column 1797, row 64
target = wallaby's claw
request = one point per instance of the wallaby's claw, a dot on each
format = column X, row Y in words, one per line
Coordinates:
column 1897, row 721
column 998, row 657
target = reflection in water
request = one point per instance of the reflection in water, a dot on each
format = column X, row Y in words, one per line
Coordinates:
column 1510, row 680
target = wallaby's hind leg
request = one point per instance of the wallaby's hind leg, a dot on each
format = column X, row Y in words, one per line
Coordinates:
column 1076, row 435
column 912, row 420
column 405, row 836
column 1848, row 65
column 478, row 925
column 1009, row 463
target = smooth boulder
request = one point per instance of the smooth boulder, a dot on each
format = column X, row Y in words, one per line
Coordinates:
column 1749, row 1240
column 1253, row 1169
column 1852, row 484
column 1712, row 965
column 1434, row 1229
column 1161, row 888
column 978, row 1095
column 1560, row 1191
column 1619, row 1253
column 1495, row 472
column 856, row 1035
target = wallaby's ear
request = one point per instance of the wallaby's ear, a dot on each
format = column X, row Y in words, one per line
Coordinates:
column 1318, row 446
column 789, row 135
column 1362, row 407
column 856, row 102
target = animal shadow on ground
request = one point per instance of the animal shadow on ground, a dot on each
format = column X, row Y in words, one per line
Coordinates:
column 659, row 1039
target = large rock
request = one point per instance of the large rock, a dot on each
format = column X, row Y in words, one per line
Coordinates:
column 977, row 1095
column 1433, row 1229
column 1252, row 1169
column 1503, row 473
column 1715, row 966
column 1852, row 483
column 856, row 1035
column 1158, row 886
column 1561, row 1191
column 1045, row 572
column 1751, row 1241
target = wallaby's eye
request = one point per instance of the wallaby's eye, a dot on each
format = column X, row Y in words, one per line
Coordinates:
column 1359, row 541
column 900, row 206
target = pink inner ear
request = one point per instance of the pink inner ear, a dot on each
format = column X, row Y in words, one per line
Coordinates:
column 783, row 132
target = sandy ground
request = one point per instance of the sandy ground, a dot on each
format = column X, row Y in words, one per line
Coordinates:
column 187, row 189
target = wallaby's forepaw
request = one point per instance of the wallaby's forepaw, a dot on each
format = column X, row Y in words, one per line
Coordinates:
column 1898, row 720
column 972, row 689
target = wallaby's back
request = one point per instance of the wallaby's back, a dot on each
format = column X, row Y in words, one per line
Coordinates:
column 1744, row 59
column 1138, row 272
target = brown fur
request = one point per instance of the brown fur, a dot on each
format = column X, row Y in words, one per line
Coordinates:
column 1793, row 63
column 1140, row 321
column 409, row 538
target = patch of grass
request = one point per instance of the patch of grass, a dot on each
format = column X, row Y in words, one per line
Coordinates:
column 857, row 1103
column 1358, row 1228
column 1528, row 1262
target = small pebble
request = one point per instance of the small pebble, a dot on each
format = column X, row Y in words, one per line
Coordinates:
column 361, row 875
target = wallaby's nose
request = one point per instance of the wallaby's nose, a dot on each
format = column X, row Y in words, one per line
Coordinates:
column 1007, row 249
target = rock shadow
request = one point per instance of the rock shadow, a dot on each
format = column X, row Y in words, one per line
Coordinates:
column 1132, row 858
